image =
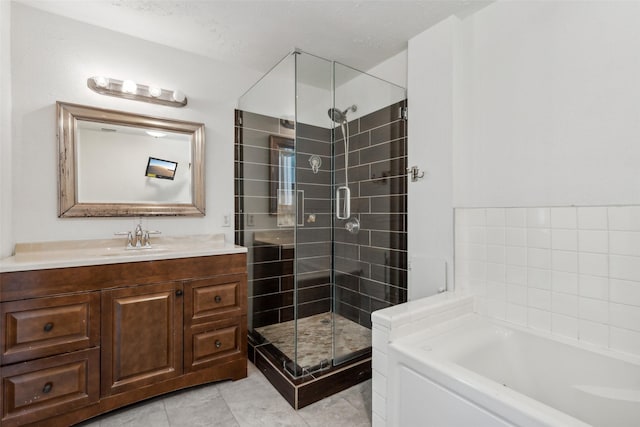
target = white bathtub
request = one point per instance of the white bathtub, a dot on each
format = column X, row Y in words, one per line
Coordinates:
column 472, row 371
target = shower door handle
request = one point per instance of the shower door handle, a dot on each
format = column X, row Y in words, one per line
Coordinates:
column 346, row 212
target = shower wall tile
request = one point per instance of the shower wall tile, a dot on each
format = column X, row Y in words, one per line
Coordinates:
column 573, row 271
column 377, row 272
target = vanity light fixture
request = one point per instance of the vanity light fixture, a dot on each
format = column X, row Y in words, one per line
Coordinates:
column 129, row 89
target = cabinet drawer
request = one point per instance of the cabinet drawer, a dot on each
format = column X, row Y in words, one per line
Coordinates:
column 47, row 326
column 210, row 343
column 210, row 298
column 42, row 388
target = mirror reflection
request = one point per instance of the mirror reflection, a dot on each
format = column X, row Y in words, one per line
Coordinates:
column 154, row 166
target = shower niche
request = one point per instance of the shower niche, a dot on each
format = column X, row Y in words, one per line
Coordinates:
column 321, row 204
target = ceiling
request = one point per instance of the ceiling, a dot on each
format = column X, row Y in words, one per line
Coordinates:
column 256, row 34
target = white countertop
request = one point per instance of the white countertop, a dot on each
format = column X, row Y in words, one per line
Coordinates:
column 75, row 253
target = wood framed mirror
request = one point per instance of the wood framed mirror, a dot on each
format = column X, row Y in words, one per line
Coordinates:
column 117, row 164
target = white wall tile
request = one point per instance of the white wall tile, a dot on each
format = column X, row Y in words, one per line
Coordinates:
column 564, row 304
column 539, row 238
column 564, row 282
column 624, row 218
column 477, row 270
column 539, row 258
column 477, row 217
column 497, row 290
column 461, row 217
column 624, row 243
column 625, row 292
column 564, row 218
column 540, row 279
column 593, row 264
column 495, row 236
column 478, row 235
column 539, row 298
column 495, row 217
column 594, row 287
column 564, row 261
column 496, row 272
column 517, row 294
column 593, row 241
column 516, row 256
column 593, row 310
column 625, row 340
column 516, row 275
column 517, row 314
column 516, row 217
column 565, row 326
column 496, row 254
column 539, row 217
column 476, row 252
column 565, row 240
column 497, row 308
column 539, row 319
column 592, row 218
column 624, row 316
column 516, row 236
column 593, row 333
column 624, row 267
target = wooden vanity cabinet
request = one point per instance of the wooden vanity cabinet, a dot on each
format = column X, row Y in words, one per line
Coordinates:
column 80, row 341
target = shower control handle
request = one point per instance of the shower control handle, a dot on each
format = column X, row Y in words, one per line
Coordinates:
column 345, row 213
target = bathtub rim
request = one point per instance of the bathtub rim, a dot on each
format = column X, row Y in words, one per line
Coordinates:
column 504, row 402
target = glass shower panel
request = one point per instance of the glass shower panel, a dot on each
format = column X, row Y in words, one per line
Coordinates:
column 313, row 257
column 266, row 204
column 370, row 263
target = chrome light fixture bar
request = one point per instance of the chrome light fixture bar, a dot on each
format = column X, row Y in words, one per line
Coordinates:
column 128, row 89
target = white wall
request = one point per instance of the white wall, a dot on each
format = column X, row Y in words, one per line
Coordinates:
column 553, row 105
column 6, row 231
column 431, row 71
column 52, row 57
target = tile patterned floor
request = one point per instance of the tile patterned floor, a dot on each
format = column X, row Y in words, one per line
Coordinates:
column 244, row 403
column 315, row 338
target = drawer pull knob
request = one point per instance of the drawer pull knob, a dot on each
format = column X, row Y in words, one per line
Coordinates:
column 217, row 298
column 179, row 292
column 218, row 344
column 47, row 387
column 48, row 327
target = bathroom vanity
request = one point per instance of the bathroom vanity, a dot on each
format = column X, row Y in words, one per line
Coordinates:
column 90, row 328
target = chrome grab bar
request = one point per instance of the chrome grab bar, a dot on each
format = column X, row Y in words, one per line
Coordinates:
column 347, row 202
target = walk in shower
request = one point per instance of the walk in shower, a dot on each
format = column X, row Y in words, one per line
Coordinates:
column 320, row 202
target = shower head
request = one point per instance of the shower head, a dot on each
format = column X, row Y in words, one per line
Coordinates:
column 338, row 116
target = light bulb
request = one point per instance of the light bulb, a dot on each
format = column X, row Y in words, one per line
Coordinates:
column 155, row 91
column 101, row 81
column 178, row 96
column 129, row 86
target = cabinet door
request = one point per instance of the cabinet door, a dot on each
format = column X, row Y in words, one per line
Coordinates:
column 141, row 336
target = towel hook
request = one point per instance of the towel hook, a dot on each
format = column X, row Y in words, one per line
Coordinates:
column 415, row 173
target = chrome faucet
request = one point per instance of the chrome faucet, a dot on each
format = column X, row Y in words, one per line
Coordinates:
column 139, row 239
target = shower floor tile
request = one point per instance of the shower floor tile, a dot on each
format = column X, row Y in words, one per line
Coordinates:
column 315, row 333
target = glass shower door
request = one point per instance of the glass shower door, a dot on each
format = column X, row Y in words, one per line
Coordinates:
column 370, row 253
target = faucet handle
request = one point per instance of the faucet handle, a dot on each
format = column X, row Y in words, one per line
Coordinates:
column 146, row 242
column 129, row 237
